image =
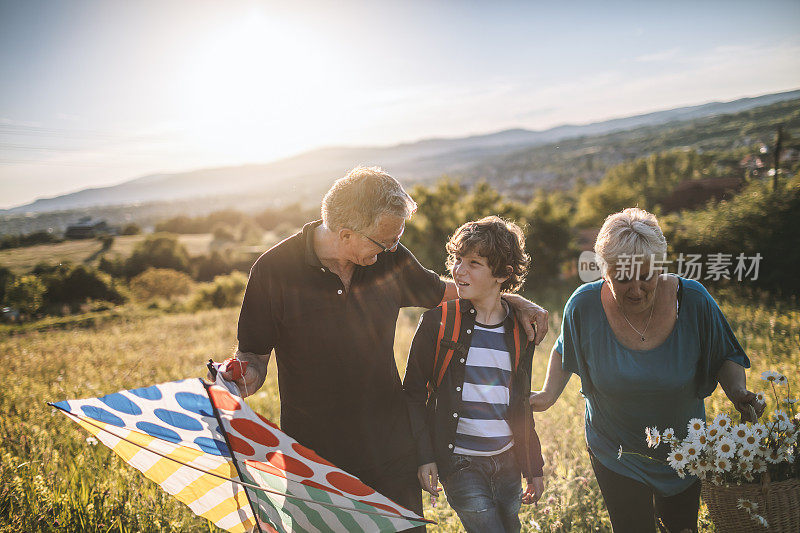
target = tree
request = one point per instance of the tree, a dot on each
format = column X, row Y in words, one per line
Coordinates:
column 159, row 250
column 161, row 283
column 26, row 294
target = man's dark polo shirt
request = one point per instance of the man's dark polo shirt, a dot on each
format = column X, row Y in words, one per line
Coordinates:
column 340, row 391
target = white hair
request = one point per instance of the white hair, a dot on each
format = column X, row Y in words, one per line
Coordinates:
column 632, row 232
column 361, row 197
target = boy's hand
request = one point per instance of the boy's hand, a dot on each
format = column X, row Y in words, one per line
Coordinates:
column 428, row 476
column 534, row 490
column 540, row 401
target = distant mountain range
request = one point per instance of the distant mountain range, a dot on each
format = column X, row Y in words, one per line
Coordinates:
column 303, row 178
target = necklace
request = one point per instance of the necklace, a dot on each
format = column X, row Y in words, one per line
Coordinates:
column 647, row 324
column 641, row 333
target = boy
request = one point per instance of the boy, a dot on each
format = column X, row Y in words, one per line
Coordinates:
column 468, row 381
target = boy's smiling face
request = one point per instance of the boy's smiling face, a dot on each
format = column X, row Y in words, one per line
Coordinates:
column 473, row 277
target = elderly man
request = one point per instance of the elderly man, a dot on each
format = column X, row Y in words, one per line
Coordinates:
column 326, row 300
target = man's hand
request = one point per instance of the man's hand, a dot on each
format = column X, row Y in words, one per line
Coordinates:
column 533, row 491
column 428, row 476
column 529, row 315
column 743, row 400
column 253, row 376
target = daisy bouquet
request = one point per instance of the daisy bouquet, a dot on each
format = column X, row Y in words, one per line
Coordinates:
column 724, row 453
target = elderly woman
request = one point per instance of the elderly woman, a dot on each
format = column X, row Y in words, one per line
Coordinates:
column 648, row 347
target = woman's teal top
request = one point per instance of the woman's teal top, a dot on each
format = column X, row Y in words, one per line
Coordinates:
column 627, row 390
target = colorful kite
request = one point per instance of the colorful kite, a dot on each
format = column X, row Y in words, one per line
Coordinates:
column 206, row 447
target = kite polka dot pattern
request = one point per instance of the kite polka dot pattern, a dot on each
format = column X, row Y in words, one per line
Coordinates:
column 309, row 454
column 290, row 464
column 120, row 403
column 255, row 432
column 223, row 399
column 349, row 484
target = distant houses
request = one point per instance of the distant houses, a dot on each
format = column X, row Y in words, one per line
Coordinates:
column 86, row 228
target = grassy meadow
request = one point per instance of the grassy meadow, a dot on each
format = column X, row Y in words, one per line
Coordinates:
column 51, row 479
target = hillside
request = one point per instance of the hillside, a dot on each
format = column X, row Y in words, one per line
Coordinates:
column 302, row 177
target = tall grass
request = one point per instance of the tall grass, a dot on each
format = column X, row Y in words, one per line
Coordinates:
column 52, row 479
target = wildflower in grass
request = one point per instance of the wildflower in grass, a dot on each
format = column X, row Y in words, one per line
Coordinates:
column 724, row 447
column 770, row 375
column 790, row 401
column 653, row 437
column 760, row 397
column 722, row 421
column 740, row 432
column 747, row 505
column 781, row 380
column 91, row 440
column 677, row 458
column 696, row 426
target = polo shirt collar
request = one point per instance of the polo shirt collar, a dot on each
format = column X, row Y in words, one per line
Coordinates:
column 308, row 239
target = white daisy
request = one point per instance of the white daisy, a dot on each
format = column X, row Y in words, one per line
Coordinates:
column 739, row 432
column 724, row 447
column 750, row 440
column 760, row 397
column 722, row 421
column 760, row 430
column 668, row 435
column 759, row 465
column 691, row 450
column 619, row 453
column 748, row 476
column 91, row 440
column 781, row 380
column 653, row 438
column 717, row 479
column 770, row 375
column 790, row 401
column 696, row 426
column 747, row 505
column 693, row 469
column 677, row 458
column 722, row 464
column 746, row 453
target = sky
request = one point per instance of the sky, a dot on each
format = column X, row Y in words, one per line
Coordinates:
column 97, row 92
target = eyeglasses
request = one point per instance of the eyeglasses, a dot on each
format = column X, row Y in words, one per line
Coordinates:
column 381, row 246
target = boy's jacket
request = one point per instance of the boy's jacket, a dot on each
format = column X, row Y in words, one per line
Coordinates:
column 432, row 416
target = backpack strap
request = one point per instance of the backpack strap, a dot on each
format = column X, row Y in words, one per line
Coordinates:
column 446, row 342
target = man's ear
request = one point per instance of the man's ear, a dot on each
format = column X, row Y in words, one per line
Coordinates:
column 345, row 234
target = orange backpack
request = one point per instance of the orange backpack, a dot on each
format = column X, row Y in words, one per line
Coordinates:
column 447, row 339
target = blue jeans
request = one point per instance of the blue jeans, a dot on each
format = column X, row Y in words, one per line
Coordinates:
column 485, row 492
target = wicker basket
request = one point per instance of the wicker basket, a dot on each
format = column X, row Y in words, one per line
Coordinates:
column 778, row 502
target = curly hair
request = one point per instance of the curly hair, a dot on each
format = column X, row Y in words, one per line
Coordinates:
column 500, row 241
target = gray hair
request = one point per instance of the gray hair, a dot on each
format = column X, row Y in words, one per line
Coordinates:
column 361, row 197
column 631, row 232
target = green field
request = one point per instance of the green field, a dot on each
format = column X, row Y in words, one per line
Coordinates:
column 51, row 479
column 87, row 251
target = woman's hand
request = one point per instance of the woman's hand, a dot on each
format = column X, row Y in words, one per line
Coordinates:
column 743, row 400
column 428, row 476
column 534, row 490
column 541, row 400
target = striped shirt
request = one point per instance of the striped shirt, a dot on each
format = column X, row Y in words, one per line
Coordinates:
column 483, row 424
